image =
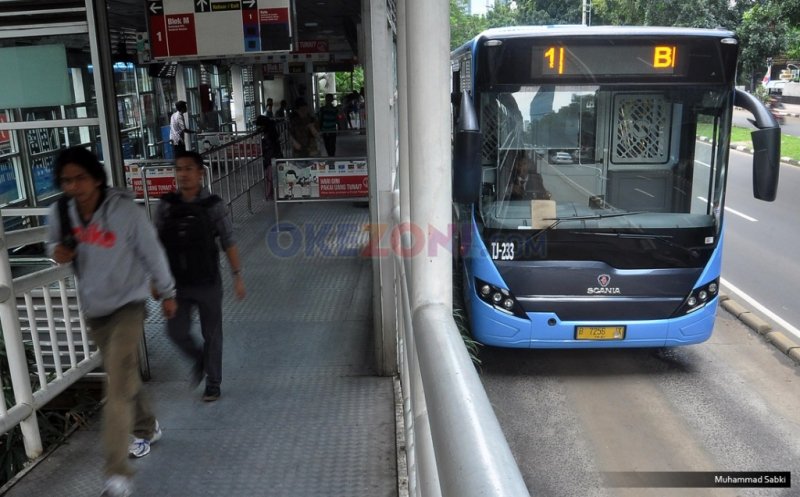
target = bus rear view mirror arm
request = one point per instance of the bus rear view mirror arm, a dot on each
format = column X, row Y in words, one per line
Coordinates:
column 766, row 146
column 467, row 153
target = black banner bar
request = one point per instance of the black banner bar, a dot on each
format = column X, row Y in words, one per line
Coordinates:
column 698, row 479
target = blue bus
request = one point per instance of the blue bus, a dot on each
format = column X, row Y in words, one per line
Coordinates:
column 589, row 171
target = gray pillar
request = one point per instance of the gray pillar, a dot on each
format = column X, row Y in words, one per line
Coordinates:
column 100, row 48
column 381, row 159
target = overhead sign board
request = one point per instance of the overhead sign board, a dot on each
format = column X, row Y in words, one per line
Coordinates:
column 217, row 28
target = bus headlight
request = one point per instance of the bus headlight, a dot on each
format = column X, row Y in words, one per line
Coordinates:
column 698, row 298
column 499, row 298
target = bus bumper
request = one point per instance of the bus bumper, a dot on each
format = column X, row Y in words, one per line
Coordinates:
column 546, row 330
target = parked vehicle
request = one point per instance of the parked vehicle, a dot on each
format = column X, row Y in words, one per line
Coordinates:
column 775, row 87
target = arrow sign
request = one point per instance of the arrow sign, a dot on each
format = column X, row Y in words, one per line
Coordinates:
column 249, row 4
column 155, row 7
column 202, row 6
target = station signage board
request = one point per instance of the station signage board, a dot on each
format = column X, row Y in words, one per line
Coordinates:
column 160, row 181
column 321, row 179
column 216, row 28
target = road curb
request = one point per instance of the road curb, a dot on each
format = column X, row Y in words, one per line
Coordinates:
column 748, row 150
column 777, row 338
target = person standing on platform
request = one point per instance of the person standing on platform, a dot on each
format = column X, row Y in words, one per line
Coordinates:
column 116, row 257
column 270, row 149
column 303, row 131
column 283, row 111
column 177, row 128
column 328, row 122
column 270, row 114
column 189, row 222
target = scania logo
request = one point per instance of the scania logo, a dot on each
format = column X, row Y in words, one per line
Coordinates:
column 603, row 280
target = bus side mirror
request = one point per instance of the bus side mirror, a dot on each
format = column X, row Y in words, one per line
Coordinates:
column 766, row 146
column 766, row 163
column 467, row 153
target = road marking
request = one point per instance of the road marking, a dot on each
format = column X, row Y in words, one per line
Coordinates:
column 771, row 315
column 734, row 211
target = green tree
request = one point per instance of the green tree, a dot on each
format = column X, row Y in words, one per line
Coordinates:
column 763, row 33
column 502, row 15
column 543, row 12
column 463, row 26
column 346, row 82
column 686, row 13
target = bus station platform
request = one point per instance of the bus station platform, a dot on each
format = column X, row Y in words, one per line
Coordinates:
column 302, row 412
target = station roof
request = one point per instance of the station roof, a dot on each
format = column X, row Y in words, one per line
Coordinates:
column 334, row 21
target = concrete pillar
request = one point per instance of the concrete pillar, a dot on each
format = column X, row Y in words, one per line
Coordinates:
column 429, row 148
column 381, row 158
column 238, row 98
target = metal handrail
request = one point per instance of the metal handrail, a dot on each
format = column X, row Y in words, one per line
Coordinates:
column 454, row 443
column 52, row 284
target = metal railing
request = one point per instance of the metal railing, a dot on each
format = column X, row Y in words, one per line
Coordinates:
column 233, row 167
column 454, row 443
column 39, row 309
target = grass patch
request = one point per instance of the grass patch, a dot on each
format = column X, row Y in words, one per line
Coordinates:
column 790, row 145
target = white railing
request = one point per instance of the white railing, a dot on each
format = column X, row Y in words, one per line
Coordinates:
column 39, row 310
column 454, row 443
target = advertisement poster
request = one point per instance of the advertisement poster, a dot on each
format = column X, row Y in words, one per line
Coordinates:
column 42, row 170
column 9, row 190
column 160, row 180
column 324, row 179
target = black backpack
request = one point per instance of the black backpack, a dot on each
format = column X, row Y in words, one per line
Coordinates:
column 190, row 238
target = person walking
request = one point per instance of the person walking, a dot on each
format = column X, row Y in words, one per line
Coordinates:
column 177, row 128
column 328, row 123
column 189, row 223
column 116, row 256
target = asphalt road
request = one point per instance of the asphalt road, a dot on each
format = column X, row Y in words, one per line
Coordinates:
column 729, row 404
column 761, row 264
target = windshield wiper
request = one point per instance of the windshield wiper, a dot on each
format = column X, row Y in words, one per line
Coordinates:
column 589, row 217
column 665, row 239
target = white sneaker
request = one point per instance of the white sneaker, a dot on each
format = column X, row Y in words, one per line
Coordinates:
column 140, row 447
column 117, row 486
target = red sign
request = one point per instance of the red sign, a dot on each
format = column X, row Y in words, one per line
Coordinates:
column 181, row 34
column 156, row 187
column 343, row 186
column 270, row 16
column 158, row 37
column 4, row 136
column 160, row 181
column 312, row 46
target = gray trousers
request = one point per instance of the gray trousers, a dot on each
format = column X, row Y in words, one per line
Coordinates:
column 208, row 300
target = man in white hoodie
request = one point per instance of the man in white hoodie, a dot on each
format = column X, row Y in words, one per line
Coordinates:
column 116, row 255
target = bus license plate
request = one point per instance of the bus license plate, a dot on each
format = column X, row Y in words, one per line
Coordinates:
column 599, row 332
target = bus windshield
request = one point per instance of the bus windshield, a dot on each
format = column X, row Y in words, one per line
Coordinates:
column 572, row 157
